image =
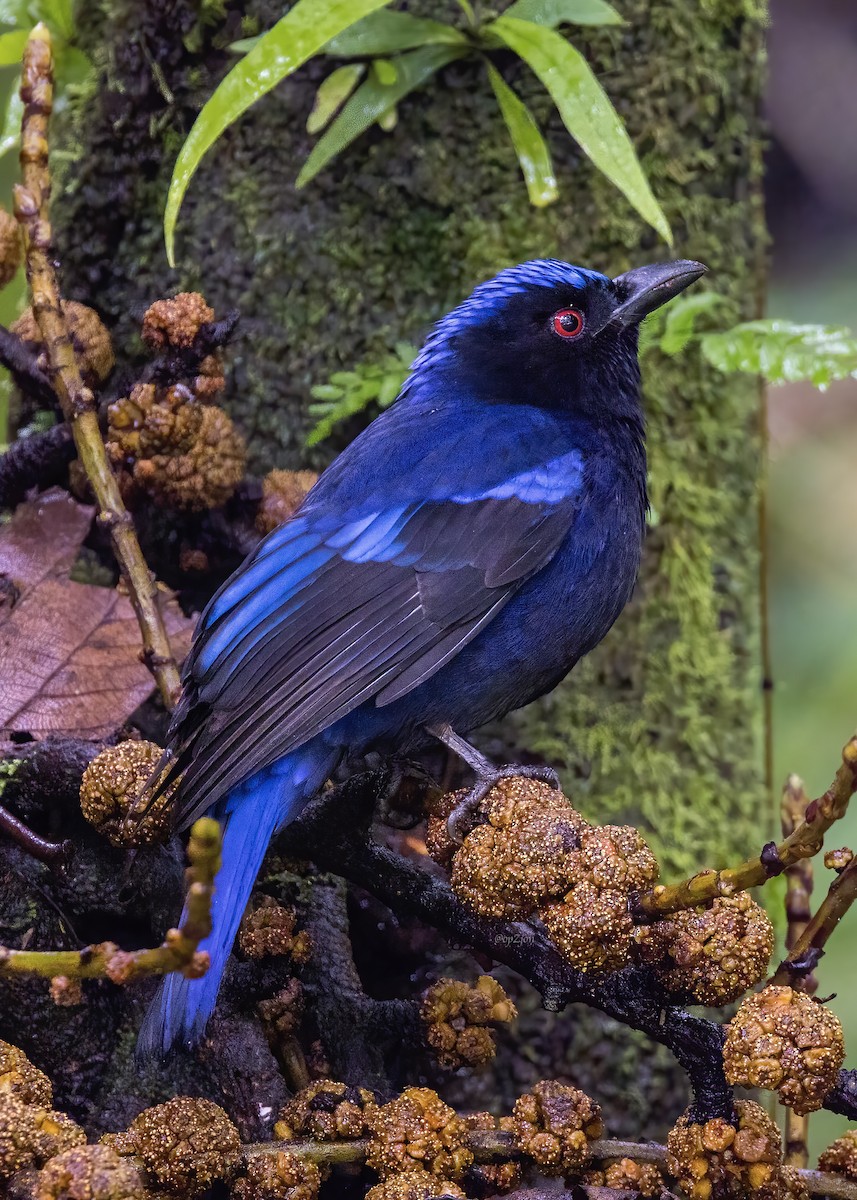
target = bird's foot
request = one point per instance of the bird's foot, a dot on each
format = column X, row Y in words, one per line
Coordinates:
column 460, row 820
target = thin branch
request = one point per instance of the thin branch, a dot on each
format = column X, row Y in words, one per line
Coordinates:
column 489, row 1145
column 799, row 880
column 178, row 952
column 76, row 400
column 804, row 842
column 54, row 854
column 809, row 947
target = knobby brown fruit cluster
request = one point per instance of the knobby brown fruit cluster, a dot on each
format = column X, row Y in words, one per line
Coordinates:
column 529, row 852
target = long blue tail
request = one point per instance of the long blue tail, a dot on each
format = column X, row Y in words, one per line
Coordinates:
column 250, row 816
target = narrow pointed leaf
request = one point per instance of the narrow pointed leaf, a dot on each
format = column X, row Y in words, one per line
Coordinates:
column 564, row 12
column 530, row 147
column 585, row 109
column 386, row 32
column 332, row 94
column 371, row 100
column 302, row 32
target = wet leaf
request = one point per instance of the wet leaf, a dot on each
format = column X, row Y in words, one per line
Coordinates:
column 371, row 100
column 680, row 318
column 784, row 352
column 530, row 147
column 386, row 31
column 70, row 652
column 558, row 12
column 332, row 94
column 301, row 33
column 585, row 109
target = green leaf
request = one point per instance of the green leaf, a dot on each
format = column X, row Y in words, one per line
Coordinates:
column 680, row 318
column 560, row 12
column 332, row 94
column 530, row 147
column 10, row 134
column 386, row 31
column 12, row 47
column 784, row 352
column 300, row 34
column 371, row 100
column 585, row 109
column 59, row 14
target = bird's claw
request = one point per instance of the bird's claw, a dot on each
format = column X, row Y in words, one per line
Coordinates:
column 460, row 820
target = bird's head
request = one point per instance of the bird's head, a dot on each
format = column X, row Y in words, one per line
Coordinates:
column 554, row 335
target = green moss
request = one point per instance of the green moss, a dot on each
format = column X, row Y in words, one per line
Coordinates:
column 662, row 723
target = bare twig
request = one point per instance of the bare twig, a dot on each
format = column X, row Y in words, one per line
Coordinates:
column 804, row 842
column 799, row 878
column 810, row 945
column 179, row 950
column 76, row 400
column 52, row 853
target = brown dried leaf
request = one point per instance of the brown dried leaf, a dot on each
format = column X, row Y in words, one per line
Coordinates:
column 69, row 652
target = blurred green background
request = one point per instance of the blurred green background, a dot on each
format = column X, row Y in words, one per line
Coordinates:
column 812, row 212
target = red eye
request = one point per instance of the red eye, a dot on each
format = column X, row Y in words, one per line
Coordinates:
column 568, row 322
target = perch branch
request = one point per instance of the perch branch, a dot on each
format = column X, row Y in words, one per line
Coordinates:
column 334, row 832
column 54, row 854
column 803, row 842
column 355, row 1028
column 490, row 1144
column 76, row 400
column 178, row 952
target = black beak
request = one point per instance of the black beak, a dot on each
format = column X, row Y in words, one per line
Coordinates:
column 644, row 289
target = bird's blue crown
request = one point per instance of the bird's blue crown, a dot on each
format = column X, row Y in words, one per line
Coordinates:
column 489, row 298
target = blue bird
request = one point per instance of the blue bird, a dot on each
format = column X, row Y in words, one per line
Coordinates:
column 452, row 564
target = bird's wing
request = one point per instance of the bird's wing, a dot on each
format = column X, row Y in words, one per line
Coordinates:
column 335, row 609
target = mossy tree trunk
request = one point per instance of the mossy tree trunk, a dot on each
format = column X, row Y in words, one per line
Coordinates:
column 662, row 724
